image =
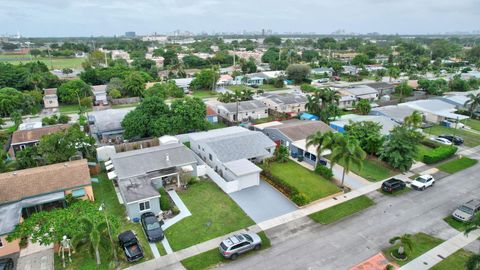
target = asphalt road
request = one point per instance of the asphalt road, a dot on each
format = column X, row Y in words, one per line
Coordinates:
column 304, row 244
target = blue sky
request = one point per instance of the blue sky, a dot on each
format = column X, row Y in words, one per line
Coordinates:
column 110, row 17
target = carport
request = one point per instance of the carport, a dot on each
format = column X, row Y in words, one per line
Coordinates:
column 262, row 202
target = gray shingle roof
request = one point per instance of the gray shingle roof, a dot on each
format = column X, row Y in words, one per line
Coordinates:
column 139, row 162
column 301, row 129
column 239, row 146
column 250, row 105
column 108, row 120
column 137, row 188
column 287, row 99
column 359, row 90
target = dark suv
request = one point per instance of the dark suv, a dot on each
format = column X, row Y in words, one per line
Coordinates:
column 454, row 139
column 151, row 227
column 392, row 185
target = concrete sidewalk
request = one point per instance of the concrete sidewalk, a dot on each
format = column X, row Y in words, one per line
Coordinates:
column 441, row 252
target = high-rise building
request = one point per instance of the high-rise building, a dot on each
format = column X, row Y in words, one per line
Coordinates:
column 130, row 34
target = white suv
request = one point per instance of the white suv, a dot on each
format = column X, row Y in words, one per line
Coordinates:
column 422, row 182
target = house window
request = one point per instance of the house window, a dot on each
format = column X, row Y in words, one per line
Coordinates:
column 199, row 147
column 22, row 147
column 266, row 111
column 210, row 157
column 1, row 243
column 144, row 206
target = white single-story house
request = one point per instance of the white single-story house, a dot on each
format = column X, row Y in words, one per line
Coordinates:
column 100, row 94
column 247, row 110
column 386, row 123
column 291, row 104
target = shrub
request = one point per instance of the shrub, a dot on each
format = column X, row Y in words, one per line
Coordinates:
column 430, row 143
column 440, row 153
column 86, row 102
column 63, row 119
column 324, row 171
column 164, row 201
column 299, row 199
column 290, row 191
column 175, row 210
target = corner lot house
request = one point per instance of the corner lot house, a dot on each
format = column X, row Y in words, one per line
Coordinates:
column 293, row 135
column 232, row 153
column 22, row 139
column 141, row 173
column 247, row 110
column 291, row 104
column 25, row 192
column 436, row 110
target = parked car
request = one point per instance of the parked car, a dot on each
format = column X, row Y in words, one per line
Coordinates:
column 151, row 227
column 442, row 141
column 6, row 264
column 422, row 182
column 130, row 245
column 237, row 244
column 467, row 210
column 454, row 139
column 392, row 185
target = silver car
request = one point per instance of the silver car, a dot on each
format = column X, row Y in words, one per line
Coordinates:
column 467, row 210
column 237, row 244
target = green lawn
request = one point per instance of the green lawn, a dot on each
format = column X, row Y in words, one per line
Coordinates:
column 213, row 214
column 458, row 225
column 471, row 139
column 56, row 63
column 474, row 124
column 307, row 182
column 239, row 88
column 270, row 87
column 342, row 210
column 457, row 165
column 211, row 258
column 422, row 151
column 456, row 261
column 71, row 108
column 204, row 93
column 161, row 249
column 373, row 170
column 421, row 243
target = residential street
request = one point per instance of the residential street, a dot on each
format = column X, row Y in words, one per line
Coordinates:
column 304, row 244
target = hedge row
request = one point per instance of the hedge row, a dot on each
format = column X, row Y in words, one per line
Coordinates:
column 440, row 153
column 290, row 191
column 324, row 171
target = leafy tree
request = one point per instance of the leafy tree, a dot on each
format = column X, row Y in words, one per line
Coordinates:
column 28, row 158
column 367, row 133
column 404, row 89
column 279, row 65
column 457, row 84
column 248, row 66
column 323, row 103
column 321, row 142
column 67, row 71
column 310, row 55
column 272, row 40
column 6, row 164
column 473, row 55
column 298, row 73
column 12, row 100
column 363, row 107
column 205, row 79
column 271, row 55
column 193, row 61
column 405, row 241
column 170, row 57
column 95, row 59
column 433, row 87
column 35, row 52
column 72, row 91
column 139, row 123
column 134, row 84
column 348, row 151
column 308, row 88
column 393, row 72
column 187, row 115
column 281, row 154
column 473, row 263
column 472, row 103
column 114, row 93
column 414, row 120
column 158, row 90
column 400, row 148
column 360, row 60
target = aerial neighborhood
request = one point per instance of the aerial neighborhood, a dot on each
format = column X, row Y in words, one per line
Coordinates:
column 190, row 151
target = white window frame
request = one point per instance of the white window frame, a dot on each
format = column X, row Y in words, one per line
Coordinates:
column 144, row 206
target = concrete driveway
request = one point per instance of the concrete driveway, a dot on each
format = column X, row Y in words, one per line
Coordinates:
column 262, row 202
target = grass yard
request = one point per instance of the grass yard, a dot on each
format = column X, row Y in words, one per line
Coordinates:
column 270, row 87
column 213, row 214
column 421, row 243
column 343, row 210
column 71, row 108
column 161, row 249
column 204, row 93
column 456, row 261
column 239, row 88
column 373, row 170
column 422, row 151
column 211, row 258
column 307, row 182
column 471, row 139
column 457, row 165
column 474, row 124
column 457, row 225
column 56, row 63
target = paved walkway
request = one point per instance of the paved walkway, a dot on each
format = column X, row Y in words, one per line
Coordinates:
column 442, row 251
column 36, row 256
column 184, row 212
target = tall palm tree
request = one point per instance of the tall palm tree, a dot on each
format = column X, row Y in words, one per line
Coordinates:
column 316, row 139
column 414, row 120
column 472, row 103
column 93, row 237
column 405, row 241
column 348, row 151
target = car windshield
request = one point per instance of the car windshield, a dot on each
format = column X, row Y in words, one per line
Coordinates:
column 466, row 209
column 421, row 180
column 248, row 237
column 153, row 226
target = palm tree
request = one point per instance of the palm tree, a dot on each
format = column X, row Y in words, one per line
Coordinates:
column 93, row 237
column 393, row 72
column 473, row 263
column 414, row 120
column 348, row 151
column 313, row 104
column 405, row 241
column 472, row 103
column 316, row 139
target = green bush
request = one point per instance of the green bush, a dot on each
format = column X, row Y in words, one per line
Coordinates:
column 430, row 143
column 164, row 201
column 324, row 171
column 290, row 191
column 175, row 210
column 440, row 153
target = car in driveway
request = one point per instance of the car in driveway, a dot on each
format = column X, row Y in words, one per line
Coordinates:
column 457, row 140
column 152, row 227
column 130, row 246
column 237, row 244
column 422, row 182
column 441, row 141
column 467, row 210
column 393, row 184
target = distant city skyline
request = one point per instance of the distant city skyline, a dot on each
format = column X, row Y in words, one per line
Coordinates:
column 63, row 18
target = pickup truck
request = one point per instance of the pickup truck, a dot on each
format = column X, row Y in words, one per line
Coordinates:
column 130, row 245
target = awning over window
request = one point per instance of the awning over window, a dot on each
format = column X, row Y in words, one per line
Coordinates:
column 78, row 193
